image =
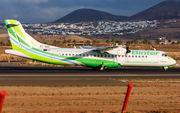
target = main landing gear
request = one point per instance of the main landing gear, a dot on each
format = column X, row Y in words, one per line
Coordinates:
column 99, row 68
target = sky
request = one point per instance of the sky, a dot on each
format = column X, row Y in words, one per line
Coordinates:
column 42, row 11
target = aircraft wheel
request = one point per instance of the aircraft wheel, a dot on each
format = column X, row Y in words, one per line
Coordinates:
column 101, row 68
column 98, row 68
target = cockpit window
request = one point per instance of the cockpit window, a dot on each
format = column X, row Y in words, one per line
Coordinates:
column 164, row 54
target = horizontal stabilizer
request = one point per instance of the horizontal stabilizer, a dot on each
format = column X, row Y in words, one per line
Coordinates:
column 17, row 53
column 11, row 22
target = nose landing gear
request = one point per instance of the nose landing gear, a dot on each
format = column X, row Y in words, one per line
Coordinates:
column 165, row 68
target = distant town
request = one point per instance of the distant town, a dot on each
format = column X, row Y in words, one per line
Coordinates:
column 109, row 28
column 89, row 28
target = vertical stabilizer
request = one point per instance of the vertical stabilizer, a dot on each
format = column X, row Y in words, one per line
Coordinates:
column 19, row 38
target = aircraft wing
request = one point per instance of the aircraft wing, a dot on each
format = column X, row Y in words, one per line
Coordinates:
column 89, row 47
column 110, row 50
column 105, row 49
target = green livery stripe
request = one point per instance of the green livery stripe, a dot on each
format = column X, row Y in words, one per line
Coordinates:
column 169, row 57
column 18, row 30
column 97, row 62
column 38, row 57
column 11, row 31
column 40, row 51
column 6, row 22
column 22, row 41
column 86, row 61
column 13, row 21
column 33, row 43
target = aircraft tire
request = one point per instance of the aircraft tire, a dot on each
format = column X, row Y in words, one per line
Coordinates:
column 98, row 68
column 101, row 68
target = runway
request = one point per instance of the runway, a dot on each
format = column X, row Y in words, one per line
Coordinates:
column 78, row 76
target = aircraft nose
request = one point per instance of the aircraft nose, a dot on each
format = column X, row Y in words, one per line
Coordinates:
column 173, row 61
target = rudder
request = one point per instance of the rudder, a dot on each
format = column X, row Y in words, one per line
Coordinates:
column 17, row 34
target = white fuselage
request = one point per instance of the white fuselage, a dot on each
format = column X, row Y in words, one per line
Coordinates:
column 147, row 58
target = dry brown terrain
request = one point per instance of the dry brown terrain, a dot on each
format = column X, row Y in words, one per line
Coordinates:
column 165, row 48
column 43, row 38
column 147, row 96
column 8, row 57
column 3, row 31
column 50, row 39
column 168, row 30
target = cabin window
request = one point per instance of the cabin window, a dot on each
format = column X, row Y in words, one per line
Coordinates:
column 76, row 54
column 79, row 54
column 69, row 54
column 90, row 55
column 66, row 54
column 122, row 56
column 118, row 55
column 132, row 56
column 62, row 54
column 115, row 56
column 112, row 55
column 83, row 54
column 104, row 55
column 94, row 55
column 72, row 54
column 146, row 56
column 87, row 55
column 129, row 56
column 101, row 55
column 142, row 56
column 139, row 56
column 126, row 55
column 136, row 56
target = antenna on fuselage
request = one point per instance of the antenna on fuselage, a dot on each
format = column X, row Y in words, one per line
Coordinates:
column 154, row 48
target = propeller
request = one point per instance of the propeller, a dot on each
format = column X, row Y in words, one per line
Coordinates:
column 127, row 49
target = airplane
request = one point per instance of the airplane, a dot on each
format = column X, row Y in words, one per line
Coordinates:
column 98, row 58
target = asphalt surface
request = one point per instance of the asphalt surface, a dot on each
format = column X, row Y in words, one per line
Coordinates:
column 78, row 76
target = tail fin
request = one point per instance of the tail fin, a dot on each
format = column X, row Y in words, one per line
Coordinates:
column 20, row 38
